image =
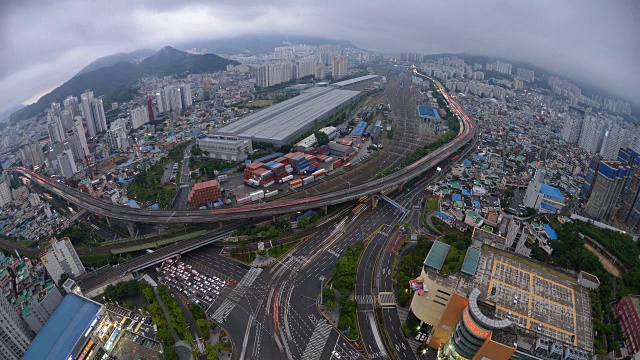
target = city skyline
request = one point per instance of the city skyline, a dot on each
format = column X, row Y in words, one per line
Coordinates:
column 537, row 33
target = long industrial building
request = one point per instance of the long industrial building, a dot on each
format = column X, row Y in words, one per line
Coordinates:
column 282, row 123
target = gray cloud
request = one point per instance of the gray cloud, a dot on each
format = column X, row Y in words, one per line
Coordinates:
column 45, row 43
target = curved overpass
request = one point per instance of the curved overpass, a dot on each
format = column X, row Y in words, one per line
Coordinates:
column 467, row 131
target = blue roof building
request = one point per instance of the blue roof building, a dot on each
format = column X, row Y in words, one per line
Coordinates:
column 427, row 112
column 67, row 331
column 359, row 129
column 551, row 234
column 551, row 191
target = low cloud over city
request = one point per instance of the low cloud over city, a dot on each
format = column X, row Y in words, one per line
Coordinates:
column 45, row 43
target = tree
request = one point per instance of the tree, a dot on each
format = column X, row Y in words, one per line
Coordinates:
column 328, row 294
column 204, row 328
column 321, row 138
column 330, row 305
column 63, row 278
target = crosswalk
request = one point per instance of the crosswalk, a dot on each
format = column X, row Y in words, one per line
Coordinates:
column 317, row 341
column 364, row 299
column 238, row 293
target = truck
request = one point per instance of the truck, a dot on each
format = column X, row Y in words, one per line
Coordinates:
column 295, row 183
column 285, row 179
column 252, row 183
column 271, row 194
column 257, row 195
column 223, row 178
column 347, row 165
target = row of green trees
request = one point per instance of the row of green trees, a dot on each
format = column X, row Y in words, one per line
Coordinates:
column 123, row 292
column 344, row 280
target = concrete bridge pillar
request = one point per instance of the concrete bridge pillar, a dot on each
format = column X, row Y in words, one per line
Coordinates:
column 374, row 201
column 220, row 224
column 132, row 229
column 400, row 186
column 325, row 209
column 108, row 221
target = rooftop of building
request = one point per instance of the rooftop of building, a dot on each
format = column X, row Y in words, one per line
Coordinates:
column 437, row 255
column 635, row 300
column 354, row 80
column 471, row 259
column 551, row 191
column 66, row 325
column 282, row 120
column 550, row 232
column 206, row 184
column 428, row 111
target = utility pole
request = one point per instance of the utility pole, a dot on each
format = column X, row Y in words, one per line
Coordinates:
column 321, row 287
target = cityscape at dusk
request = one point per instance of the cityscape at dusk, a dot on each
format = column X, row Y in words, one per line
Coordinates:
column 320, row 180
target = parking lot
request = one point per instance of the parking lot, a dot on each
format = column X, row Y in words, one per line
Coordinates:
column 540, row 301
column 198, row 287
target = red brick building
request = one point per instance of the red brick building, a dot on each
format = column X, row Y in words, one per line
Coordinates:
column 204, row 192
column 627, row 310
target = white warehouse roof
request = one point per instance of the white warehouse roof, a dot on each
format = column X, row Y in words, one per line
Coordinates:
column 283, row 122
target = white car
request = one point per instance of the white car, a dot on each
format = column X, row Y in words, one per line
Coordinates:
column 336, row 354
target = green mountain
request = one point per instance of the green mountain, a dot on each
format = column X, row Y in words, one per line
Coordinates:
column 134, row 56
column 119, row 78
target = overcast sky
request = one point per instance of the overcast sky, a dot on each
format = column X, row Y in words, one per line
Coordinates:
column 44, row 43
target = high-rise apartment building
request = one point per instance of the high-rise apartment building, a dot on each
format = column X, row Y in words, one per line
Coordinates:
column 5, row 191
column 304, row 68
column 32, row 155
column 591, row 135
column 93, row 113
column 67, row 163
column 60, row 258
column 37, row 308
column 175, row 98
column 55, row 128
column 274, row 74
column 75, row 145
column 614, row 138
column 339, row 67
column 99, row 117
column 160, row 101
column 526, row 74
column 629, row 211
column 79, row 130
column 15, row 336
column 138, row 117
column 571, row 129
column 319, row 71
column 499, row 66
column 71, row 105
column 116, row 138
column 185, row 96
column 606, row 188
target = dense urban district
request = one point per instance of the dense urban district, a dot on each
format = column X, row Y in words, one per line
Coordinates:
column 320, row 202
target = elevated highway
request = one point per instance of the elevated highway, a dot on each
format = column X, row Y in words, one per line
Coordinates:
column 101, row 207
